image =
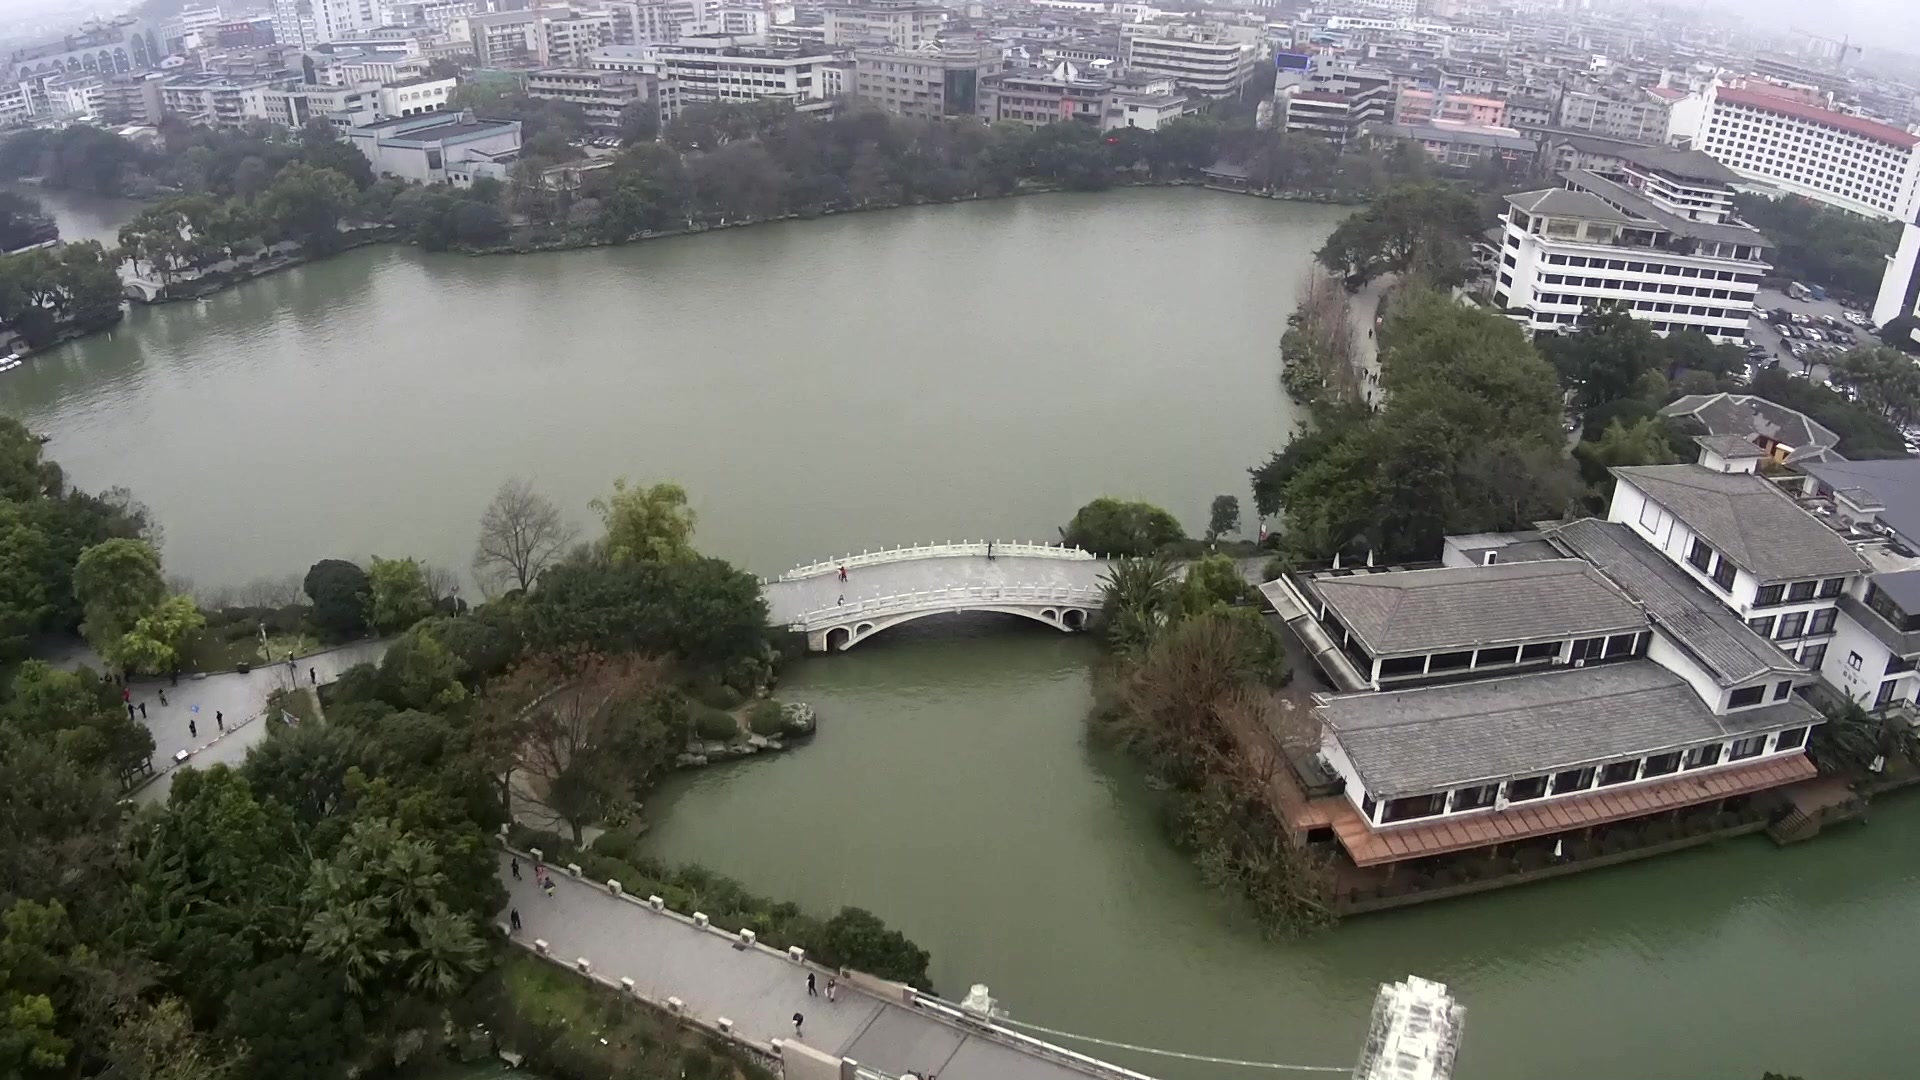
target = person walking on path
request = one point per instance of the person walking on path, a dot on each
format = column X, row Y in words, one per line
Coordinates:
column 513, row 919
column 843, row 575
column 129, row 710
column 549, row 886
column 126, row 695
column 516, row 868
column 797, row 1021
column 811, row 992
column 833, row 985
column 143, row 710
column 193, row 729
column 163, row 698
column 312, row 679
column 220, row 720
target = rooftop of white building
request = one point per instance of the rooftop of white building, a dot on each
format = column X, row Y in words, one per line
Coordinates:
column 1748, row 519
column 1412, row 742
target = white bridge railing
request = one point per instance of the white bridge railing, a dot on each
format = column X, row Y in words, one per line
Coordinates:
column 949, row 550
column 943, row 599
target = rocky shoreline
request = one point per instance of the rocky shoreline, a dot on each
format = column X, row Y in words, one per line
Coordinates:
column 797, row 723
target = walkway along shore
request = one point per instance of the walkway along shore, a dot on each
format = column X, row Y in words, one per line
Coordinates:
column 728, row 983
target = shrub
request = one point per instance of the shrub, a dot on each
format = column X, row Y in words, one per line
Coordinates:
column 713, row 724
column 764, row 718
column 339, row 591
column 1115, row 527
column 716, row 695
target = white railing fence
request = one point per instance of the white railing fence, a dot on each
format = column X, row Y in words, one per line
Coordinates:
column 1020, row 1041
column 951, row 549
column 942, row 599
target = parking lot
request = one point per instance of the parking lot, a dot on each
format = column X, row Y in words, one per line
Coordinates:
column 1764, row 334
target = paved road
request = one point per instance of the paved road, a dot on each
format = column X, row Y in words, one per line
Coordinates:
column 1363, row 309
column 788, row 600
column 758, row 990
column 236, row 696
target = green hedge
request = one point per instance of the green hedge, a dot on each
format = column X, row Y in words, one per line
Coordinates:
column 852, row 938
column 764, row 718
column 711, row 723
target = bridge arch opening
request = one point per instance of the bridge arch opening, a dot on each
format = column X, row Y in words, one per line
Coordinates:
column 838, row 639
column 1074, row 619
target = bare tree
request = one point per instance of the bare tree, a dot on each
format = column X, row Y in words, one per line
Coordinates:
column 273, row 592
column 442, row 582
column 581, row 731
column 521, row 533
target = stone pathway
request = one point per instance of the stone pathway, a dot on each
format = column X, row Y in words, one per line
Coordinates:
column 241, row 698
column 715, row 975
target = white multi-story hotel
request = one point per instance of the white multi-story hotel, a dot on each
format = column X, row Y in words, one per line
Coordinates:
column 1774, row 134
column 1664, row 246
column 306, row 23
column 1199, row 62
column 723, row 68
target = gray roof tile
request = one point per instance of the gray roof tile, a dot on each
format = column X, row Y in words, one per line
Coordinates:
column 1680, row 606
column 1421, row 611
column 1894, row 482
column 1749, row 415
column 1410, row 742
column 1748, row 519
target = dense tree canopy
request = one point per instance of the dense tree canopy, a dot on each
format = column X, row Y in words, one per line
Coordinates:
column 1108, row 526
column 341, row 593
column 1469, row 440
column 1424, row 227
column 23, row 223
column 1820, row 245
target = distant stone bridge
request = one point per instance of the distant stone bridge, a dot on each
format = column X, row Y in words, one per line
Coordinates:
column 1050, row 584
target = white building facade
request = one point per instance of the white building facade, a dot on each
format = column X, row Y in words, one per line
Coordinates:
column 1850, row 162
column 1660, row 247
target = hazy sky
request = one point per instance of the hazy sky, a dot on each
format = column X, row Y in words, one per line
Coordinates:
column 1893, row 24
column 1888, row 23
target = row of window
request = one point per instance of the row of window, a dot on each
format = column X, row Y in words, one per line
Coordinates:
column 1700, row 557
column 1748, row 696
column 1659, row 326
column 1796, row 592
column 1794, row 624
column 1872, row 195
column 1757, row 120
column 1574, row 781
column 1872, row 156
column 1648, row 305
column 1629, row 285
column 1652, row 268
column 1818, row 163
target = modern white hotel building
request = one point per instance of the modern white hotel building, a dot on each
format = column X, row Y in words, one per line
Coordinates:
column 1777, row 136
column 1658, row 240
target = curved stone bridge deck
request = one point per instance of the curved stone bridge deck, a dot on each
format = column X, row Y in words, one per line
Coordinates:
column 1060, row 587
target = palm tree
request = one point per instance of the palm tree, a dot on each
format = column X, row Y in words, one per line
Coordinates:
column 1138, row 594
column 1852, row 738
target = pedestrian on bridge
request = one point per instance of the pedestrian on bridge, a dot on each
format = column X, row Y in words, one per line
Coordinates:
column 843, row 574
column 811, row 992
column 797, row 1021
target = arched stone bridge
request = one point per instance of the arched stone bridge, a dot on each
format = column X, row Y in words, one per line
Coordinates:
column 1057, row 586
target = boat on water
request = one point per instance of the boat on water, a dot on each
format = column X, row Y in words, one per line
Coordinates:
column 10, row 361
